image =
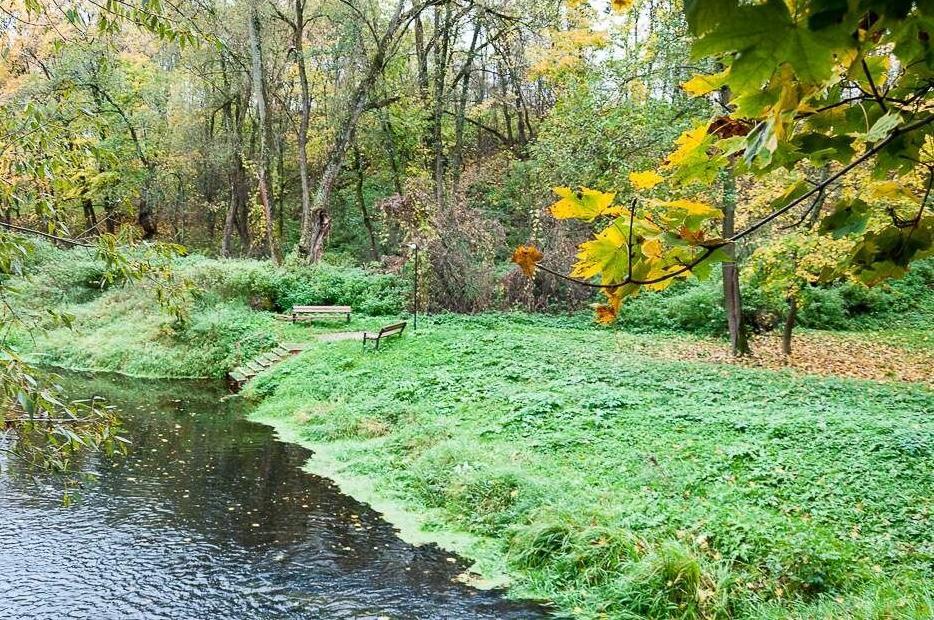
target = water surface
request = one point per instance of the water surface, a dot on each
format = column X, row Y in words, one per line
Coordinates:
column 209, row 516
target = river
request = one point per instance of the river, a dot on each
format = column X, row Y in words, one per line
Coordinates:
column 209, row 516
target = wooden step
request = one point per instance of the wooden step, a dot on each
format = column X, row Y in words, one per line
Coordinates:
column 256, row 368
column 237, row 376
column 260, row 361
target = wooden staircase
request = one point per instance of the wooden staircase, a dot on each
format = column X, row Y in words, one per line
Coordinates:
column 243, row 373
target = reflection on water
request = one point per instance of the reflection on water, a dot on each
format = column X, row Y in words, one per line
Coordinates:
column 210, row 517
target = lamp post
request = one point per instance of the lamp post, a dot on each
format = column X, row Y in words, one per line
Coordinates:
column 415, row 300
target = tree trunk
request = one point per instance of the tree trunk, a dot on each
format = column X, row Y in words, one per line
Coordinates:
column 460, row 115
column 732, row 298
column 90, row 216
column 234, row 111
column 361, row 202
column 317, row 227
column 297, row 42
column 259, row 87
column 391, row 152
column 442, row 30
column 790, row 319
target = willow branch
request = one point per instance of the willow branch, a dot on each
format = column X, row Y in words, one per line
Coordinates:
column 33, row 231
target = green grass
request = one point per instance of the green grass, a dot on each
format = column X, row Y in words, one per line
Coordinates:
column 620, row 486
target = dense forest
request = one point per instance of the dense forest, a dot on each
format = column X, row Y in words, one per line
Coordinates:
column 675, row 257
column 291, row 130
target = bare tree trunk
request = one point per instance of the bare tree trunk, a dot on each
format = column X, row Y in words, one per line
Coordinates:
column 790, row 320
column 421, row 57
column 234, row 111
column 90, row 216
column 442, row 43
column 460, row 115
column 259, row 86
column 732, row 298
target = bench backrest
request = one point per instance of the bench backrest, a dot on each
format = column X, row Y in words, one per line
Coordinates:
column 321, row 309
column 392, row 329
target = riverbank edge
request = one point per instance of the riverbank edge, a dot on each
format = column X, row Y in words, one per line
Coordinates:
column 487, row 568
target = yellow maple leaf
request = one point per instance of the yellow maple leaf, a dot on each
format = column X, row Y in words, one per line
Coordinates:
column 606, row 255
column 702, row 84
column 607, row 313
column 652, row 248
column 587, row 204
column 647, row 179
column 527, row 257
column 688, row 144
column 891, row 190
column 692, row 207
column 621, row 5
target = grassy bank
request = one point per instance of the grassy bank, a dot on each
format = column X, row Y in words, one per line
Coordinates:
column 621, row 486
column 231, row 313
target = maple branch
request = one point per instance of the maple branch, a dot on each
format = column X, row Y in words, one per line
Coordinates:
column 872, row 85
column 898, row 131
column 711, row 248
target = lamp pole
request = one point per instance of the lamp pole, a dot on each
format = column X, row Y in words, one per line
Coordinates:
column 414, row 246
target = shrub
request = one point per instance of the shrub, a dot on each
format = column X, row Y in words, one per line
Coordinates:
column 264, row 285
column 825, row 309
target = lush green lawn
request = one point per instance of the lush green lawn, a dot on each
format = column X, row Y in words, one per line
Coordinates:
column 615, row 484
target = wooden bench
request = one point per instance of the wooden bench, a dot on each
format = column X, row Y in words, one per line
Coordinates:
column 308, row 313
column 390, row 330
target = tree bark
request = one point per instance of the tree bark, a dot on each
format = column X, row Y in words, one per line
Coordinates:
column 259, row 87
column 460, row 115
column 234, row 113
column 298, row 29
column 442, row 32
column 361, row 202
column 90, row 216
column 790, row 320
column 732, row 297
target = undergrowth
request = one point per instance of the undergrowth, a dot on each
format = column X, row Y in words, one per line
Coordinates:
column 231, row 313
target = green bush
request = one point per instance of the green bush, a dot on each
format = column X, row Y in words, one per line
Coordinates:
column 264, row 285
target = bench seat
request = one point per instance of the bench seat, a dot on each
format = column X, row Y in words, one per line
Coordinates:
column 309, row 313
column 395, row 329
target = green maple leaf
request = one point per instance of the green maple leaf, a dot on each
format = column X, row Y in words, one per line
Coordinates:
column 848, row 218
column 606, row 255
column 763, row 37
column 705, row 15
